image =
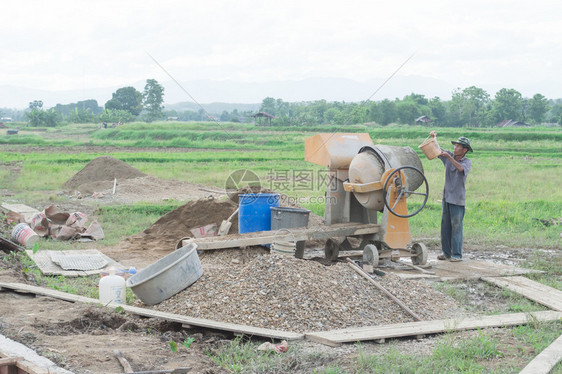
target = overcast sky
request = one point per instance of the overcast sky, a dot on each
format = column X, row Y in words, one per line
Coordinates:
column 61, row 45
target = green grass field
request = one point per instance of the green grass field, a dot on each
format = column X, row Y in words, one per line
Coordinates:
column 515, row 180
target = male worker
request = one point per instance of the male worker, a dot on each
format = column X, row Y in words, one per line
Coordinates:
column 457, row 167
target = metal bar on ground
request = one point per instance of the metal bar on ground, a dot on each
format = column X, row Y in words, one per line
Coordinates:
column 365, row 275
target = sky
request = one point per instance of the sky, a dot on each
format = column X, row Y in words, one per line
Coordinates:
column 77, row 45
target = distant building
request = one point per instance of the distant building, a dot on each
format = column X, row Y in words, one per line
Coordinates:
column 6, row 119
column 268, row 117
column 512, row 123
column 173, row 118
column 424, row 119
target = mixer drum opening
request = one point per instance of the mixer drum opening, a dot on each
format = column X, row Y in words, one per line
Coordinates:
column 369, row 165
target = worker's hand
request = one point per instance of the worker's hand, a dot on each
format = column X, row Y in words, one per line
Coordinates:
column 444, row 154
column 433, row 134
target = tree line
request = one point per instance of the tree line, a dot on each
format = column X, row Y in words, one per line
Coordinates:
column 126, row 104
column 472, row 107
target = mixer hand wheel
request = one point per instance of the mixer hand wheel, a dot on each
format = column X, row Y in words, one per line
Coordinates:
column 403, row 190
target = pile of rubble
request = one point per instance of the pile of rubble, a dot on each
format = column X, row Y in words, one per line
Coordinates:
column 282, row 292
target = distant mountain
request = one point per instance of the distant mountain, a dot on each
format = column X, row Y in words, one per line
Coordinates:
column 250, row 95
column 330, row 89
column 215, row 108
column 207, row 91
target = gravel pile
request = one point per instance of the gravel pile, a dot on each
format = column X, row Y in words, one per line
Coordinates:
column 286, row 293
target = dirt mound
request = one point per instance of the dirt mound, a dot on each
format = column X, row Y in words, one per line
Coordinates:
column 163, row 235
column 103, row 168
column 171, row 227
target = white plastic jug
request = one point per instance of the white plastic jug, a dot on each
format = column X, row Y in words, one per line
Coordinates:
column 112, row 288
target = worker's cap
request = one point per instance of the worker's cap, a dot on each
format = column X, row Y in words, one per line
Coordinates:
column 464, row 141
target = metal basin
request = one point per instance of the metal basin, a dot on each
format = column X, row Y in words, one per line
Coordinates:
column 167, row 276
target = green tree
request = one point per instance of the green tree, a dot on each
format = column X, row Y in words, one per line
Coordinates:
column 126, row 98
column 507, row 104
column 469, row 106
column 268, row 105
column 116, row 115
column 477, row 100
column 39, row 117
column 416, row 98
column 386, row 112
column 224, row 116
column 36, row 104
column 153, row 98
column 68, row 109
column 81, row 116
column 407, row 111
column 438, row 111
column 331, row 114
column 538, row 107
column 555, row 113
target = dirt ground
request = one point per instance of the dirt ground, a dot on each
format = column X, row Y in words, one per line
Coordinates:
column 82, row 338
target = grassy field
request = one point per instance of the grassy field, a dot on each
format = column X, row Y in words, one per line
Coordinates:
column 514, row 183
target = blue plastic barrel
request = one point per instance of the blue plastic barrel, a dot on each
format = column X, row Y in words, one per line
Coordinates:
column 255, row 211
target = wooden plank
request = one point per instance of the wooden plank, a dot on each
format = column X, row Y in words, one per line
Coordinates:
column 337, row 337
column 535, row 291
column 10, row 245
column 9, row 361
column 296, row 234
column 19, row 208
column 27, row 363
column 199, row 322
column 546, row 360
column 26, row 211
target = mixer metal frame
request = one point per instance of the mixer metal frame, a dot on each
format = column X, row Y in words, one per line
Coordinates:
column 336, row 151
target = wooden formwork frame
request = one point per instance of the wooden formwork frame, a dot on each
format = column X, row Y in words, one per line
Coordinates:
column 543, row 294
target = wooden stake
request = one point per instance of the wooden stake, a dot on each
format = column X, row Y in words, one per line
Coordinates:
column 126, row 366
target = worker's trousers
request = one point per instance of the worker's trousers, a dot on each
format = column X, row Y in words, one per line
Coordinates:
column 451, row 229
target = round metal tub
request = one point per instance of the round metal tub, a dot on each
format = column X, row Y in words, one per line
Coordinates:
column 167, row 276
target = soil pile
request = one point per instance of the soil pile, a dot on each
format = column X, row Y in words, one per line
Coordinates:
column 164, row 234
column 171, row 227
column 103, row 168
column 283, row 292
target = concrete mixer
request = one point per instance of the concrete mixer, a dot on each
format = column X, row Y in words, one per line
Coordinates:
column 365, row 179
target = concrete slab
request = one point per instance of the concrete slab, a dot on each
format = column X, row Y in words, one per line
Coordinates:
column 43, row 260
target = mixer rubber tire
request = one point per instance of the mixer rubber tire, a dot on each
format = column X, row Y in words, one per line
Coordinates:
column 420, row 254
column 371, row 255
column 331, row 250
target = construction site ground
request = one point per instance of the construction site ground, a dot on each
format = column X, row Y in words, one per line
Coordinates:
column 82, row 338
